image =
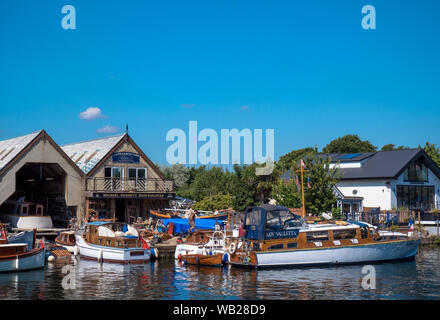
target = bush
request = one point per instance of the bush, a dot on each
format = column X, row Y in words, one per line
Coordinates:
column 216, row 202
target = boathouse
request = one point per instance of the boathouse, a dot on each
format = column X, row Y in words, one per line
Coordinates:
column 39, row 182
column 121, row 182
column 387, row 180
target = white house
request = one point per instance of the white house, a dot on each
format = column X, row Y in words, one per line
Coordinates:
column 387, row 180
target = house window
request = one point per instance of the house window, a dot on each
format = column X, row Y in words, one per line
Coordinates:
column 416, row 172
column 415, row 197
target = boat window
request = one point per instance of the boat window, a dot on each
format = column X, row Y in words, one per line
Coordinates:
column 292, row 245
column 373, row 232
column 344, row 234
column 273, row 219
column 364, row 232
column 317, row 236
column 393, row 238
column 108, row 242
column 99, row 241
column 119, row 243
column 276, row 246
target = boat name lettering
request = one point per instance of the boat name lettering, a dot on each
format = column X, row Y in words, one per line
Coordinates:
column 281, row 234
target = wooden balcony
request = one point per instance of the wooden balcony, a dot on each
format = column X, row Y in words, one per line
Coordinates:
column 129, row 185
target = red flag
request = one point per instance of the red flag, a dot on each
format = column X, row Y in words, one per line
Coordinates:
column 144, row 243
column 303, row 164
column 41, row 243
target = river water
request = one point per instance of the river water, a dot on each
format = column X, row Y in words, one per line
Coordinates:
column 166, row 279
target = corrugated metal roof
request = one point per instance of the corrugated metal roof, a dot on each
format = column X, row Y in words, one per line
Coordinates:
column 12, row 147
column 88, row 154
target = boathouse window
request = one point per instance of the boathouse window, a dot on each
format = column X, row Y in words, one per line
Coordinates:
column 292, row 245
column 99, row 241
column 344, row 234
column 276, row 246
column 317, row 236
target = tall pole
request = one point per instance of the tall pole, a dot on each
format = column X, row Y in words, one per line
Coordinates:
column 302, row 192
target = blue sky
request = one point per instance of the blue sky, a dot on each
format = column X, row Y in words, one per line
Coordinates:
column 306, row 69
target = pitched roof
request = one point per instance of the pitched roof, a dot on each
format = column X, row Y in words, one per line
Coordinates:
column 387, row 164
column 13, row 149
column 377, row 165
column 88, row 154
column 10, row 148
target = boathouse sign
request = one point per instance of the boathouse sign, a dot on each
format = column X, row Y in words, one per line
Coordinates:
column 125, row 157
column 119, row 195
column 278, row 234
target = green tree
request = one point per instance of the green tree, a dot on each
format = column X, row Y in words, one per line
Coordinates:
column 433, row 151
column 391, row 147
column 349, row 144
column 216, row 202
column 178, row 173
column 319, row 180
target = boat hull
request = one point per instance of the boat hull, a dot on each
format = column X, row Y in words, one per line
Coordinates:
column 376, row 252
column 215, row 260
column 29, row 222
column 112, row 255
column 33, row 259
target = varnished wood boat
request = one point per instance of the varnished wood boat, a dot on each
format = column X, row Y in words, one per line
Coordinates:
column 215, row 260
column 162, row 215
column 113, row 242
column 274, row 236
column 67, row 240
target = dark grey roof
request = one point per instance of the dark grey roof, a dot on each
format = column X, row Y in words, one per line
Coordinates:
column 388, row 164
column 381, row 164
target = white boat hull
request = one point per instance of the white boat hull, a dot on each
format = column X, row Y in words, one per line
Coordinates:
column 385, row 251
column 27, row 262
column 109, row 254
column 29, row 222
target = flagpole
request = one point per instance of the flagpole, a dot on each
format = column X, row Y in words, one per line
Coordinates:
column 302, row 191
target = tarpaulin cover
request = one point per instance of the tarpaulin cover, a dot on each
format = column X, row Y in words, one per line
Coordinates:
column 182, row 226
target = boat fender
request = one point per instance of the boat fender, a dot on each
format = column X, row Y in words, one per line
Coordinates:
column 179, row 257
column 75, row 250
column 100, row 255
column 240, row 244
column 225, row 258
column 232, row 248
column 51, row 258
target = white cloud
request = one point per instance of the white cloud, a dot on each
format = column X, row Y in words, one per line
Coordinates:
column 108, row 129
column 91, row 113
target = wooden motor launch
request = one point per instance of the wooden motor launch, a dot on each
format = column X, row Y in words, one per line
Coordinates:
column 113, row 242
column 273, row 236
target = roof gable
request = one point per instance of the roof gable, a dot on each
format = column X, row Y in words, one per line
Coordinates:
column 10, row 148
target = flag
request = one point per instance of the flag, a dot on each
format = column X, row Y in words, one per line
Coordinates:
column 411, row 225
column 144, row 243
column 297, row 182
column 303, row 164
column 41, row 243
column 308, row 183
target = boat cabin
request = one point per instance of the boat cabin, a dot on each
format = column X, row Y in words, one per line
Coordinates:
column 112, row 234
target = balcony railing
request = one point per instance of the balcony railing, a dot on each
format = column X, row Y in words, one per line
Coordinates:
column 129, row 185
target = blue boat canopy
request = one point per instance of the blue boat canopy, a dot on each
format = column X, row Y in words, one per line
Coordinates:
column 181, row 225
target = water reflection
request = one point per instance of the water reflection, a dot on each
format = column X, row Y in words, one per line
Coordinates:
column 417, row 279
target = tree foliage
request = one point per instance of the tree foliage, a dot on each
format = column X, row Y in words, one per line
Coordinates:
column 349, row 144
column 433, row 151
column 391, row 147
column 215, row 202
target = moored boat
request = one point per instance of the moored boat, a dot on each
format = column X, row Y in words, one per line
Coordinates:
column 67, row 240
column 214, row 260
column 18, row 256
column 273, row 236
column 112, row 242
